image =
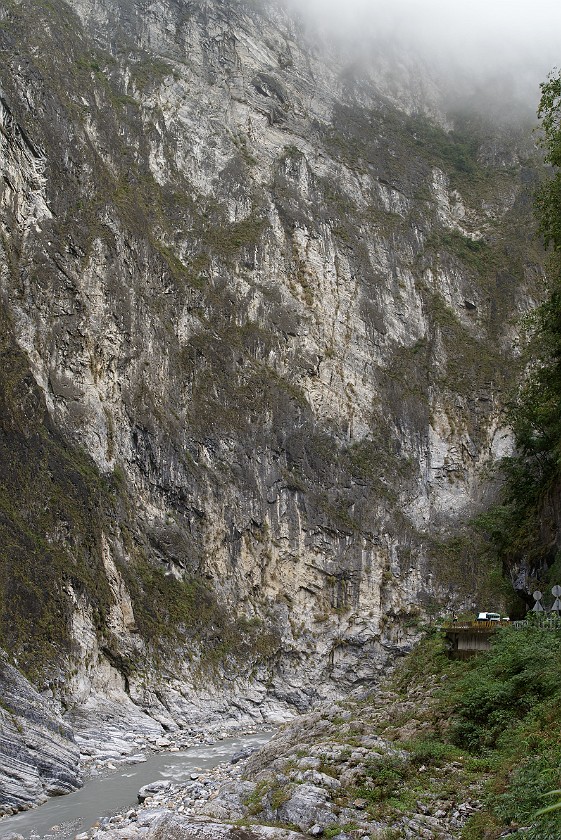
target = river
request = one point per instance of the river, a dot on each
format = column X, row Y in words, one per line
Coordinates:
column 64, row 816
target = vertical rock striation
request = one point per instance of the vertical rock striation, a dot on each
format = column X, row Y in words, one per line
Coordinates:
column 262, row 299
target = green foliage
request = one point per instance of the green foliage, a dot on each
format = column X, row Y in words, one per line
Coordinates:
column 167, row 604
column 430, row 751
column 332, row 831
column 548, row 809
column 372, row 459
column 470, row 364
column 475, row 253
column 254, row 801
column 525, row 523
column 523, row 799
column 549, row 197
column 149, row 72
column 185, row 616
column 465, row 562
column 382, row 779
column 226, row 238
column 497, row 717
column 279, row 795
column 507, row 706
column 522, row 671
column 430, row 658
column 457, row 149
column 481, row 826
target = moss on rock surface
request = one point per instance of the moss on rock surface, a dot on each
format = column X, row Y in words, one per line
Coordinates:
column 262, row 321
column 53, row 502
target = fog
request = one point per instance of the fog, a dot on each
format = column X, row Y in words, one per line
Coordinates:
column 472, row 44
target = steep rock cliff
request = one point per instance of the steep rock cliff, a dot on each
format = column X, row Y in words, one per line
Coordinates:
column 260, row 306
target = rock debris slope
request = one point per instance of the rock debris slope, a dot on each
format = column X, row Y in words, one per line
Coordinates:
column 373, row 767
column 257, row 332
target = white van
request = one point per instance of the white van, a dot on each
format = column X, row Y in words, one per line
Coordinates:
column 488, row 616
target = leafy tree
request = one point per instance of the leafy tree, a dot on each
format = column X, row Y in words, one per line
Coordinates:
column 549, row 199
column 519, row 677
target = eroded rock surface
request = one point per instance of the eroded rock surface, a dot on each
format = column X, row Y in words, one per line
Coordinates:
column 169, row 827
column 257, row 328
column 38, row 754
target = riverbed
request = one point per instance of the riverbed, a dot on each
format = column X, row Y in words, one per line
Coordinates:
column 62, row 817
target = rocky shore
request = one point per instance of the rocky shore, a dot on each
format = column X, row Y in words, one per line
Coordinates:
column 363, row 769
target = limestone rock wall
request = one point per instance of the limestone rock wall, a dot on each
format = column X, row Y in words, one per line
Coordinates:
column 271, row 293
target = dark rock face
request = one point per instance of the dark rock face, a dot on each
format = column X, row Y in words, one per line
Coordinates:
column 38, row 755
column 257, row 315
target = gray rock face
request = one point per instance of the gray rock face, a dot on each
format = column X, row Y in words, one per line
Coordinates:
column 260, row 305
column 152, row 788
column 307, row 806
column 38, row 755
column 171, row 827
column 242, row 755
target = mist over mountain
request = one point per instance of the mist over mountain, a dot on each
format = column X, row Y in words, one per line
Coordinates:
column 483, row 51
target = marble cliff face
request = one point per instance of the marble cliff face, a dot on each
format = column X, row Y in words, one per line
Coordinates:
column 259, row 307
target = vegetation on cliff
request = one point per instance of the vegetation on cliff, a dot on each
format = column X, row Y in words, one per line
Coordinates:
column 443, row 748
column 52, row 501
column 56, row 511
column 526, row 527
column 501, row 711
column 266, row 373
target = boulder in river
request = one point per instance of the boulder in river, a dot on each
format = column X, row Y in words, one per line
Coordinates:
column 241, row 755
column 152, row 789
